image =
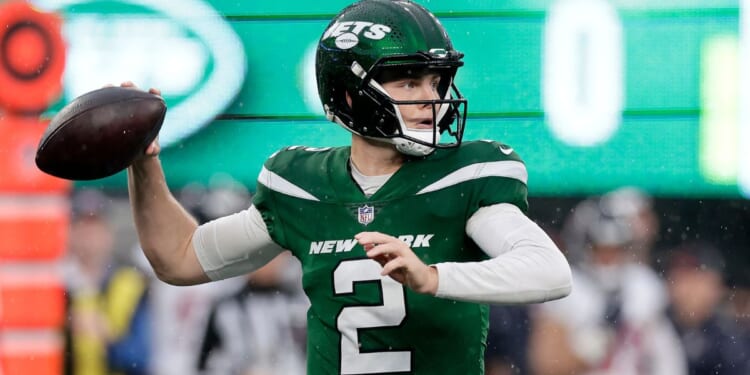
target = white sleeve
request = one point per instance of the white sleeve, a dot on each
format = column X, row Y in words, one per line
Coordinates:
column 234, row 245
column 526, row 266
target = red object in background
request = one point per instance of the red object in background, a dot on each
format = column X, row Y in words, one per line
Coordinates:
column 31, row 299
column 31, row 354
column 34, row 207
column 18, row 171
column 32, row 58
column 33, row 230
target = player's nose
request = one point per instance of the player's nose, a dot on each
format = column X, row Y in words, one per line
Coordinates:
column 427, row 91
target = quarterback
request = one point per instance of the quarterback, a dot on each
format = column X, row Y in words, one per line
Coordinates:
column 404, row 237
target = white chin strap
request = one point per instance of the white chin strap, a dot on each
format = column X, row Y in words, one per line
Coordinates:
column 412, row 148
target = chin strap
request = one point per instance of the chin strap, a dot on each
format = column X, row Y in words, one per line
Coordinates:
column 412, row 148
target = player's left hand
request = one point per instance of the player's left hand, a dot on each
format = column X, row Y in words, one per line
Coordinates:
column 399, row 261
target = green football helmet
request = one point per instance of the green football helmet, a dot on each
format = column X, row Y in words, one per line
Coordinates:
column 371, row 39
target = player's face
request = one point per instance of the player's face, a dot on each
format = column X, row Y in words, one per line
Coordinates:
column 421, row 87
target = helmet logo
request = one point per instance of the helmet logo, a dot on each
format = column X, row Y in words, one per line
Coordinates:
column 347, row 33
column 346, row 41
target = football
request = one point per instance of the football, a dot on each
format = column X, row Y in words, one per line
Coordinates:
column 100, row 133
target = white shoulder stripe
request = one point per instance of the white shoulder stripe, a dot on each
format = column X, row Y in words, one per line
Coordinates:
column 504, row 168
column 277, row 183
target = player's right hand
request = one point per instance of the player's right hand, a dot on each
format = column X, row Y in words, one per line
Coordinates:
column 154, row 148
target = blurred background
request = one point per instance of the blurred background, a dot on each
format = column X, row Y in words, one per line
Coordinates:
column 631, row 116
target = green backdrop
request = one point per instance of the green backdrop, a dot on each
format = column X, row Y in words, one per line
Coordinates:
column 660, row 143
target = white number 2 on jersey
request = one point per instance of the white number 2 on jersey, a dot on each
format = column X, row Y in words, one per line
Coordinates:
column 391, row 313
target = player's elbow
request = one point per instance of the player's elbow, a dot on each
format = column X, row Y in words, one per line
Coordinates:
column 180, row 279
column 174, row 270
column 171, row 278
column 162, row 270
column 562, row 291
column 561, row 278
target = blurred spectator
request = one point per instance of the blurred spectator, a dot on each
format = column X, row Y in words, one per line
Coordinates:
column 636, row 208
column 614, row 321
column 630, row 205
column 573, row 232
column 261, row 329
column 695, row 275
column 108, row 318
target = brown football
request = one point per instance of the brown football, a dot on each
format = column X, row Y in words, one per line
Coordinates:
column 100, row 133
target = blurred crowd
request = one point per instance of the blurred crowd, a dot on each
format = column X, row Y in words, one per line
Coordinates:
column 634, row 309
column 123, row 320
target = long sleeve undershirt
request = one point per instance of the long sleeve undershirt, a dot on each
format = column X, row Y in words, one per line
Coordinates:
column 525, row 265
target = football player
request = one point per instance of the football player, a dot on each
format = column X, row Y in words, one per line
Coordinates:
column 404, row 237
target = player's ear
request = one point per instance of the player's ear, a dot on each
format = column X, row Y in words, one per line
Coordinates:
column 348, row 99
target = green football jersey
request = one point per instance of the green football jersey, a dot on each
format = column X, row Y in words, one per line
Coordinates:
column 360, row 322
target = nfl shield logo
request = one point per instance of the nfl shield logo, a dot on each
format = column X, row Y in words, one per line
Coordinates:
column 365, row 214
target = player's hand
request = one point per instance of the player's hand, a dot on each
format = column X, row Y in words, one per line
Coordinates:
column 399, row 261
column 153, row 149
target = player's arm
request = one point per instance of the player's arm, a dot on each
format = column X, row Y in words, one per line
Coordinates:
column 165, row 229
column 180, row 251
column 526, row 265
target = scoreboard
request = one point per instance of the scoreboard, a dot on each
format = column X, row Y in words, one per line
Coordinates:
column 593, row 94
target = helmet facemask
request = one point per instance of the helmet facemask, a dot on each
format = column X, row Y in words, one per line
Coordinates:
column 376, row 115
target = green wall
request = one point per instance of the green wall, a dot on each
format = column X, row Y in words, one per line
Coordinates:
column 659, row 143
